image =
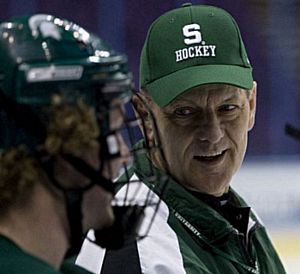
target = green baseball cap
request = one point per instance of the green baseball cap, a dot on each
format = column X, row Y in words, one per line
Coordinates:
column 192, row 46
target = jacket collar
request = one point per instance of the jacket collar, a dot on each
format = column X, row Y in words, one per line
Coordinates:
column 178, row 198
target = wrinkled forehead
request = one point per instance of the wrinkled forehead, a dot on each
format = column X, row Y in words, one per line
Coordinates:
column 213, row 92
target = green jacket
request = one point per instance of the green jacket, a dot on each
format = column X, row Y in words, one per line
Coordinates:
column 13, row 260
column 189, row 236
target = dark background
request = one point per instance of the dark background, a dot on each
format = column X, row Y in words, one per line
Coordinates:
column 270, row 29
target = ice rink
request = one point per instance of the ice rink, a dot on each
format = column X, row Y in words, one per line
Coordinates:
column 272, row 187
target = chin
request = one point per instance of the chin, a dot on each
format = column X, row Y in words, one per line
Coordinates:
column 212, row 186
column 218, row 190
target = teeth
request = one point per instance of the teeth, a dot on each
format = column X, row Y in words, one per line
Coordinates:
column 212, row 154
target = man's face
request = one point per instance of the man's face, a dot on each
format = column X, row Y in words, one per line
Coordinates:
column 203, row 134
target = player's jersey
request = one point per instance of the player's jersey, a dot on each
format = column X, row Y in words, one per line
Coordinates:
column 13, row 260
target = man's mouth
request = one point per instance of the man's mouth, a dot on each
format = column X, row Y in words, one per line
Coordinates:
column 210, row 157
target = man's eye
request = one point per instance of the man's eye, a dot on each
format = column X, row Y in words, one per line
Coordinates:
column 184, row 111
column 228, row 108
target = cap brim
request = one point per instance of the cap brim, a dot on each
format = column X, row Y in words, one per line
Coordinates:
column 167, row 88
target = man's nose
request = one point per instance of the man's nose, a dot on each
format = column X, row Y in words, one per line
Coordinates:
column 209, row 128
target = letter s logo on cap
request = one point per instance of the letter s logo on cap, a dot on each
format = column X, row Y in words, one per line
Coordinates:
column 192, row 31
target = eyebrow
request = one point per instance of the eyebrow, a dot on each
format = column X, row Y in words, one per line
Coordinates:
column 179, row 101
column 234, row 96
column 183, row 100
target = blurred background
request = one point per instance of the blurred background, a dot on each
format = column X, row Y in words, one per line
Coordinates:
column 270, row 177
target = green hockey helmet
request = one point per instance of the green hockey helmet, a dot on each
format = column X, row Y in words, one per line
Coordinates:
column 41, row 55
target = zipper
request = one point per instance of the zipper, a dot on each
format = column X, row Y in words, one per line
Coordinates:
column 244, row 249
column 251, row 233
column 244, row 243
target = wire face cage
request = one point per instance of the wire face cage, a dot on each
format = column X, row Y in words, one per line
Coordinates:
column 135, row 204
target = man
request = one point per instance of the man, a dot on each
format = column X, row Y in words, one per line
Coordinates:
column 197, row 80
column 62, row 96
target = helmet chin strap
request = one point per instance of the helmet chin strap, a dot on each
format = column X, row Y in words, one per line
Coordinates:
column 73, row 197
column 73, row 200
column 127, row 218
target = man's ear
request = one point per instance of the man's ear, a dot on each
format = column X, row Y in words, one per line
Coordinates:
column 139, row 102
column 252, row 103
column 142, row 108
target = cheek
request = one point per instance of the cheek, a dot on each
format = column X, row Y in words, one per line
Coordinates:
column 238, row 136
column 177, row 141
column 91, row 155
column 238, row 130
